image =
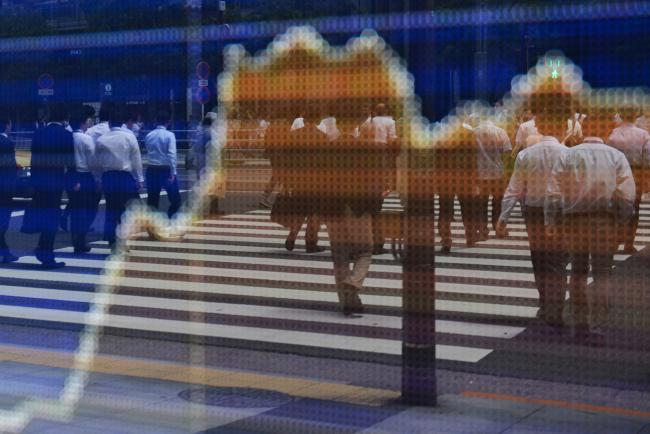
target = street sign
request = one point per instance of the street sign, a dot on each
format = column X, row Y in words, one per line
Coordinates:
column 108, row 89
column 222, row 5
column 203, row 83
column 203, row 70
column 46, row 92
column 203, row 95
column 45, row 81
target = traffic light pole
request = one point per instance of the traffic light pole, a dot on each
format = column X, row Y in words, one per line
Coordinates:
column 418, row 305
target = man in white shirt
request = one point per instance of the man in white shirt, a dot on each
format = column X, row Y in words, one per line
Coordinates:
column 527, row 186
column 493, row 146
column 589, row 195
column 328, row 126
column 525, row 130
column 643, row 121
column 84, row 197
column 382, row 132
column 118, row 156
column 634, row 142
column 102, row 127
column 162, row 166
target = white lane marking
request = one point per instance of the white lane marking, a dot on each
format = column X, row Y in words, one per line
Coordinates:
column 269, row 312
column 253, row 334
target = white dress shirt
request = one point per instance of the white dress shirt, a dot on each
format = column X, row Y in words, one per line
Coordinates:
column 328, row 126
column 525, row 130
column 161, row 148
column 297, row 124
column 492, row 143
column 634, row 143
column 119, row 150
column 643, row 122
column 383, row 129
column 591, row 177
column 98, row 130
column 532, row 169
column 84, row 152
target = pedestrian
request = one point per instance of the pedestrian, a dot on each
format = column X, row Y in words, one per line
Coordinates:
column 84, row 196
column 493, row 147
column 201, row 145
column 527, row 186
column 634, row 142
column 573, row 135
column 347, row 206
column 52, row 164
column 299, row 162
column 103, row 126
column 328, row 126
column 7, row 185
column 643, row 121
column 118, row 158
column 589, row 195
column 382, row 133
column 455, row 176
column 162, row 165
column 275, row 139
column 526, row 129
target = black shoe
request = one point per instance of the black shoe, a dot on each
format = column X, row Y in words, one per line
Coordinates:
column 585, row 336
column 82, row 249
column 315, row 249
column 52, row 264
column 8, row 258
column 483, row 236
column 471, row 242
column 630, row 250
column 445, row 250
column 379, row 251
column 289, row 244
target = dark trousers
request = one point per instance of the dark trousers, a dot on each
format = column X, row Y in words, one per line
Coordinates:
column 311, row 232
column 7, row 187
column 629, row 233
column 489, row 188
column 83, row 207
column 549, row 257
column 157, row 179
column 446, row 214
column 590, row 238
column 119, row 187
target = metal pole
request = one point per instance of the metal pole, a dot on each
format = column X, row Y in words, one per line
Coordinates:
column 418, row 322
column 418, row 305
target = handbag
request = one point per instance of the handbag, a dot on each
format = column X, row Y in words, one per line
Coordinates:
column 286, row 210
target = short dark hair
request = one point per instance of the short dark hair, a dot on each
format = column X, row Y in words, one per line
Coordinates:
column 207, row 121
column 119, row 115
column 77, row 116
column 106, row 111
column 162, row 117
column 59, row 112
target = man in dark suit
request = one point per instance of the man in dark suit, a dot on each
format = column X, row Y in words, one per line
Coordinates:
column 52, row 160
column 7, row 185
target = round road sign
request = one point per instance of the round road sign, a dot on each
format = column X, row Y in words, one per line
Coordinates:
column 203, row 70
column 45, row 81
column 203, row 95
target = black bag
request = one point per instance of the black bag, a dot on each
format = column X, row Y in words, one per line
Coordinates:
column 286, row 211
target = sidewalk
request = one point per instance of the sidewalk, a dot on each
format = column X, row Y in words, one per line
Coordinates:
column 154, row 397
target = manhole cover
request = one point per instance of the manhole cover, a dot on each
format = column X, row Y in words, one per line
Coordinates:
column 235, row 397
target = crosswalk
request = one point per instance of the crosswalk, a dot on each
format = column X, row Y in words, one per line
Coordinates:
column 231, row 282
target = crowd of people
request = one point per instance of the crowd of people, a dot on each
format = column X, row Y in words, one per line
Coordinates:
column 72, row 153
column 579, row 195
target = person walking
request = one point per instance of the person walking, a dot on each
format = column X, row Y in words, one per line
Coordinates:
column 634, row 142
column 52, row 163
column 455, row 176
column 346, row 207
column 526, row 129
column 162, row 165
column 118, row 158
column 103, row 126
column 7, row 186
column 493, row 147
column 299, row 162
column 589, row 195
column 84, row 197
column 527, row 186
